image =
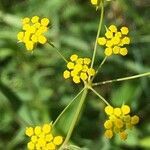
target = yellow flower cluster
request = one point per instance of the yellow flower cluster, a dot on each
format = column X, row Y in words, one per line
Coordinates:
column 33, row 31
column 119, row 120
column 78, row 69
column 115, row 40
column 41, row 138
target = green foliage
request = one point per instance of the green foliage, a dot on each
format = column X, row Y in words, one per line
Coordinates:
column 33, row 91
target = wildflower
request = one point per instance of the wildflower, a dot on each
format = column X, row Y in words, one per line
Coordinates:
column 94, row 2
column 78, row 69
column 115, row 41
column 41, row 137
column 33, row 31
column 97, row 2
column 119, row 121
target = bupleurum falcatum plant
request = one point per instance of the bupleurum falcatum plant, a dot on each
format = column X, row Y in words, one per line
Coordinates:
column 81, row 70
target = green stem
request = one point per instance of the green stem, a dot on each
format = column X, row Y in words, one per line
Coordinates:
column 98, row 33
column 72, row 126
column 99, row 67
column 67, row 107
column 102, row 98
column 122, row 79
column 58, row 51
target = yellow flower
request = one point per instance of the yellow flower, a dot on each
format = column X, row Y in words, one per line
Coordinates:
column 66, row 74
column 124, row 30
column 58, row 140
column 97, row 2
column 78, row 69
column 94, row 2
column 119, row 121
column 41, row 137
column 108, row 124
column 109, row 110
column 108, row 51
column 123, row 135
column 113, row 28
column 33, row 33
column 108, row 134
column 102, row 41
column 115, row 40
column 29, row 131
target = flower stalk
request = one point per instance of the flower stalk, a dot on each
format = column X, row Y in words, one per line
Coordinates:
column 98, row 33
column 58, row 51
column 72, row 126
column 102, row 98
column 67, row 107
column 122, row 79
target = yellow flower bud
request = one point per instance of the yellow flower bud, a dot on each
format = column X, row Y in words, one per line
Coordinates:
column 117, row 112
column 46, row 128
column 49, row 137
column 126, row 40
column 74, row 57
column 42, row 39
column 78, row 67
column 91, row 72
column 83, row 76
column 113, row 28
column 20, row 36
column 66, row 74
column 29, row 131
column 123, row 51
column 31, row 145
column 108, row 134
column 34, row 138
column 109, row 110
column 74, row 73
column 125, row 109
column 87, row 61
column 118, row 34
column 35, row 19
column 58, row 140
column 29, row 45
column 123, row 135
column 45, row 21
column 51, row 146
column 108, row 124
column 109, row 43
column 116, row 49
column 79, row 61
column 101, row 41
column 124, row 30
column 94, row 2
column 34, row 38
column 119, row 123
column 37, row 130
column 25, row 20
column 76, row 79
column 109, row 34
column 135, row 120
column 108, row 51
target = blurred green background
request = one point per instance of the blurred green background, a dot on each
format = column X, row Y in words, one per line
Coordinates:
column 33, row 91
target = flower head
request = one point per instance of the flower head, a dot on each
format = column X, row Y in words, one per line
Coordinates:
column 41, row 137
column 119, row 120
column 97, row 2
column 115, row 41
column 33, row 31
column 94, row 2
column 78, row 69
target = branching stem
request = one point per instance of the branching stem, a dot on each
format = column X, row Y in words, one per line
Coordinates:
column 58, row 51
column 122, row 79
